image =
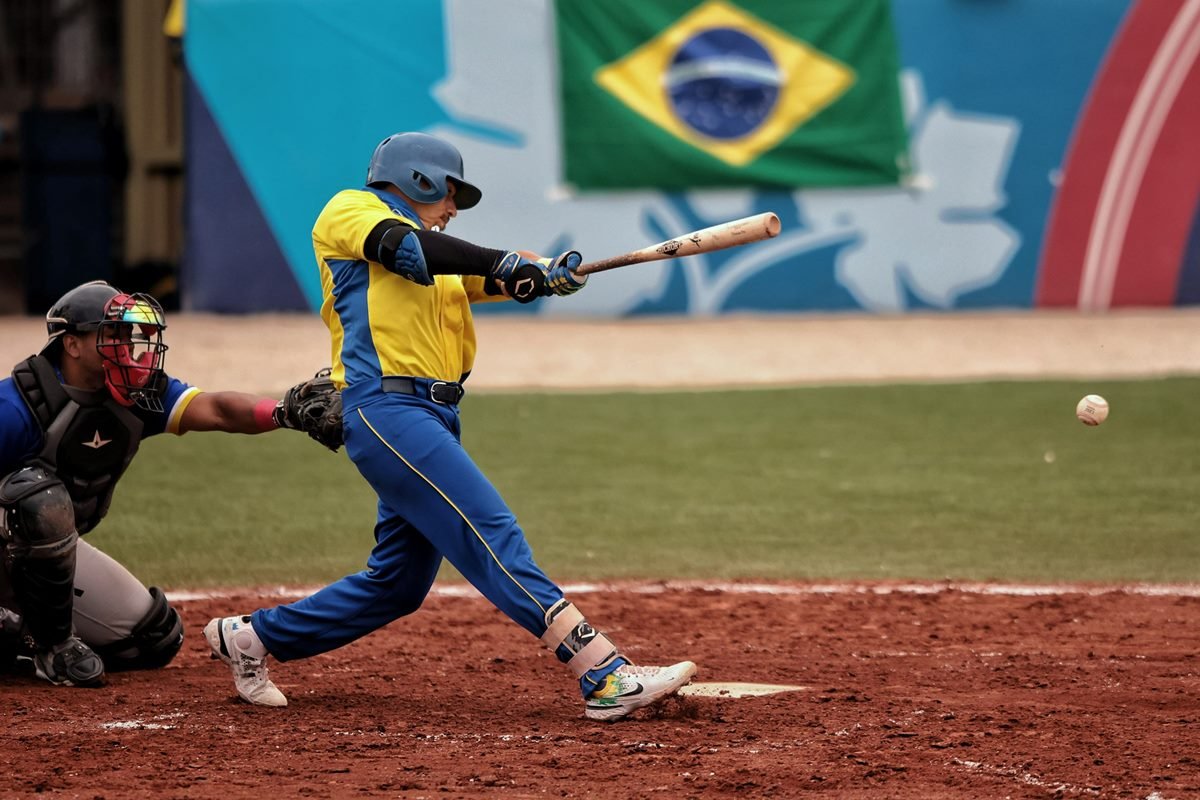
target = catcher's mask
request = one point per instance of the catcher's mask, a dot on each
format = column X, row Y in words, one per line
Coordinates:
column 421, row 166
column 130, row 341
column 128, row 337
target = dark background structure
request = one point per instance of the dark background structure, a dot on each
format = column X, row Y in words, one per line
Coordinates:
column 91, row 133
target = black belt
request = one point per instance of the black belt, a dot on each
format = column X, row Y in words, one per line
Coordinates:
column 441, row 392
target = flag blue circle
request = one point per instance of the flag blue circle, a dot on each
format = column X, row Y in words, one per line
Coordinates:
column 723, row 83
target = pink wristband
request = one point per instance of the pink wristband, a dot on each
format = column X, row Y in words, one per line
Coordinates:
column 264, row 415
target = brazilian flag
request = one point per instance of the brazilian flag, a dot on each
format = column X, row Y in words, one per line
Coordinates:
column 679, row 94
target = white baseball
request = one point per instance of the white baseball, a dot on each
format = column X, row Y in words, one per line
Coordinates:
column 1092, row 410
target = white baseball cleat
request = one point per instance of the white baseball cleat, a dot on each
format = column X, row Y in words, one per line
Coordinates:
column 249, row 673
column 629, row 687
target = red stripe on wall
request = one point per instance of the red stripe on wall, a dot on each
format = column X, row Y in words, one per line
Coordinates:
column 1161, row 221
column 1091, row 150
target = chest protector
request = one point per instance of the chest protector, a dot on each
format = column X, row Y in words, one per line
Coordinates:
column 88, row 439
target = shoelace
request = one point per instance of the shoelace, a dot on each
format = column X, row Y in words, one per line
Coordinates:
column 249, row 667
column 633, row 670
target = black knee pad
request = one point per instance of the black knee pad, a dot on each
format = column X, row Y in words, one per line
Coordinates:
column 38, row 514
column 39, row 544
column 151, row 644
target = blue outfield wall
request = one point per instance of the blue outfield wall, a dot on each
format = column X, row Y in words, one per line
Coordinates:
column 289, row 97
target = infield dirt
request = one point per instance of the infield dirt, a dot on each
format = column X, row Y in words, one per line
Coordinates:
column 945, row 694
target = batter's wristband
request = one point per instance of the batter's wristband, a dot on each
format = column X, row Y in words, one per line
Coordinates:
column 264, row 415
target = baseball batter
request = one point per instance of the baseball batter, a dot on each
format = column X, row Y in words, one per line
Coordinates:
column 71, row 420
column 397, row 295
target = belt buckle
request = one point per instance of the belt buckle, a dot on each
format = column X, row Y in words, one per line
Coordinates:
column 433, row 392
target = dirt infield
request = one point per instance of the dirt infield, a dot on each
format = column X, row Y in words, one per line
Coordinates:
column 936, row 694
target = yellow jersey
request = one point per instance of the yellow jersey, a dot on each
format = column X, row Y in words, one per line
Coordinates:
column 381, row 323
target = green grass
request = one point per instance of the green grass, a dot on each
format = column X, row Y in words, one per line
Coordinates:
column 993, row 481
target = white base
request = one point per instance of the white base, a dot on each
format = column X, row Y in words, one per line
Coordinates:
column 737, row 689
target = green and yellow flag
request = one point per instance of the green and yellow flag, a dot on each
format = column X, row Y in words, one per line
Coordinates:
column 679, row 94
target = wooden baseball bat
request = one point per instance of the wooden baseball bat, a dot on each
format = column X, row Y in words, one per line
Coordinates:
column 718, row 237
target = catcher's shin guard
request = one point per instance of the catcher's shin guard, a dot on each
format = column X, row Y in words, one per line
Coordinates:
column 40, row 539
column 575, row 641
column 152, row 643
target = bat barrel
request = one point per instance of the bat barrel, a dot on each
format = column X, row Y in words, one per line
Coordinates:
column 771, row 224
column 718, row 237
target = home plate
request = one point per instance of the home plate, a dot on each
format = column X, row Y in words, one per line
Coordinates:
column 737, row 689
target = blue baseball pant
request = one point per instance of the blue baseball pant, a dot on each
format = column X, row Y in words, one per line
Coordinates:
column 434, row 502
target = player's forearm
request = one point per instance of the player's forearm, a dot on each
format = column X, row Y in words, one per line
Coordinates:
column 450, row 256
column 446, row 255
column 231, row 412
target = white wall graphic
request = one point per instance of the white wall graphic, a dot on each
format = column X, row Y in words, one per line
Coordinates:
column 961, row 162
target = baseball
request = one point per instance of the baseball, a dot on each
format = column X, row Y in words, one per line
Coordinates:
column 1092, row 410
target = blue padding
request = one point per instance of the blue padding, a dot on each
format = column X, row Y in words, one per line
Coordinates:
column 410, row 261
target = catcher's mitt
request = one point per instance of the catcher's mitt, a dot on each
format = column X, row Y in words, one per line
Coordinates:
column 314, row 407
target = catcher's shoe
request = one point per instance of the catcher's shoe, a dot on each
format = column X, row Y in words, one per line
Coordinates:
column 629, row 687
column 249, row 673
column 10, row 639
column 69, row 663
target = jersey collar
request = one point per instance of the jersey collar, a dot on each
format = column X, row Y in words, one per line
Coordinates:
column 396, row 204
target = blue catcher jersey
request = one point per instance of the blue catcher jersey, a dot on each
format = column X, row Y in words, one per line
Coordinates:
column 21, row 438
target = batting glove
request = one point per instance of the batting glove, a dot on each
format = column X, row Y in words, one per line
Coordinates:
column 519, row 277
column 560, row 278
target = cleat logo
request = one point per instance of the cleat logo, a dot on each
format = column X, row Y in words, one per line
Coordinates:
column 96, row 443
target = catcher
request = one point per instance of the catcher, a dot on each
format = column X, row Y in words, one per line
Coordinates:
column 397, row 304
column 71, row 420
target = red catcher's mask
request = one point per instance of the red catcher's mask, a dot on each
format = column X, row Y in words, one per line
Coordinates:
column 130, row 341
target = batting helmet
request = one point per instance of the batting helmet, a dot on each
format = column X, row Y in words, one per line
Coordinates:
column 420, row 165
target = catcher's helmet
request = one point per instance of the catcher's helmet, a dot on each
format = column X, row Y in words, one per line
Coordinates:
column 130, row 339
column 420, row 166
column 78, row 311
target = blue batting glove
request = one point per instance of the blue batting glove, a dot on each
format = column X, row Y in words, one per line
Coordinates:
column 560, row 279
